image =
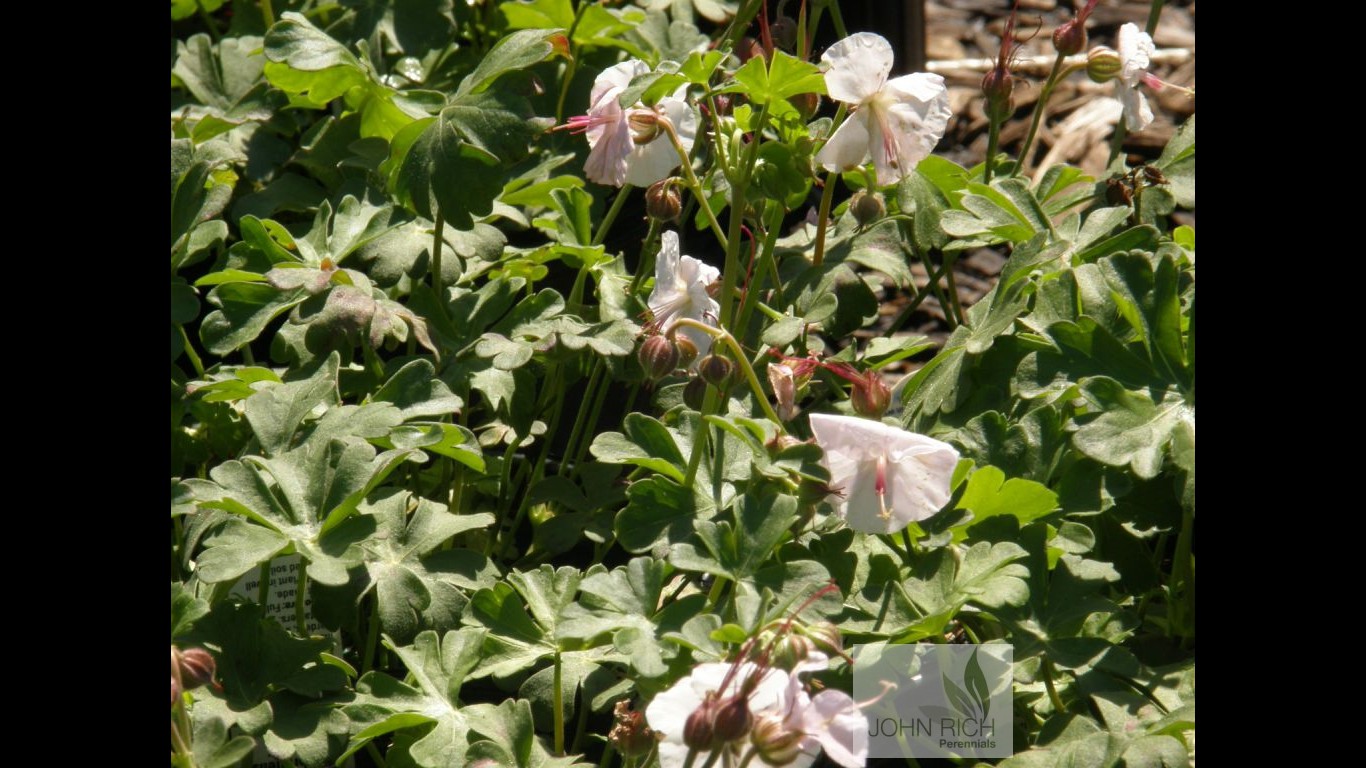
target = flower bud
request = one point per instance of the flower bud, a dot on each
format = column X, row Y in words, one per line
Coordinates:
column 997, row 86
column 644, row 125
column 733, row 720
column 197, row 668
column 791, row 649
column 784, row 389
column 659, row 357
column 773, row 741
column 867, row 207
column 631, row 736
column 662, row 201
column 716, row 371
column 870, row 396
column 783, row 30
column 694, row 392
column 1070, row 38
column 747, row 49
column 812, row 492
column 687, row 351
column 806, row 104
column 176, row 690
column 781, row 442
column 699, row 733
column 826, row 635
column 1103, row 64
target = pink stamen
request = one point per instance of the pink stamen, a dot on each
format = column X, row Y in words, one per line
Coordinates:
column 582, row 123
column 881, row 487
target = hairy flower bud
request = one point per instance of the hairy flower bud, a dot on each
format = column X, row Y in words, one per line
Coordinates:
column 806, row 104
column 644, row 125
column 870, row 396
column 693, row 393
column 775, row 743
column 867, row 207
column 176, row 690
column 997, row 86
column 699, row 731
column 687, row 351
column 791, row 649
column 1103, row 64
column 197, row 668
column 733, row 719
column 748, row 48
column 826, row 635
column 662, row 201
column 784, row 32
column 716, row 371
column 784, row 385
column 1070, row 38
column 658, row 356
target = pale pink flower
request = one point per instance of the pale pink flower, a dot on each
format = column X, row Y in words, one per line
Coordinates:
column 887, row 477
column 681, row 291
column 896, row 122
column 1135, row 52
column 614, row 157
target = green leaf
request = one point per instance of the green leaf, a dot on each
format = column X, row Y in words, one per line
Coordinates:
column 417, row 392
column 1131, row 429
column 647, row 443
column 518, row 50
column 989, row 493
column 276, row 413
column 659, row 511
column 186, row 609
column 785, row 76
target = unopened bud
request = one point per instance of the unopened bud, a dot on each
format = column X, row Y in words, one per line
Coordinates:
column 176, row 690
column 733, row 720
column 723, row 104
column 631, row 736
column 687, row 351
column 197, row 668
column 806, row 104
column 826, row 636
column 784, row 390
column 747, row 49
column 662, row 201
column 773, row 741
column 784, row 32
column 1070, row 38
column 658, row 356
column 781, row 442
column 716, row 371
column 1103, row 64
column 694, row 392
column 644, row 125
column 867, row 207
column 699, row 732
column 791, row 649
column 870, row 396
column 997, row 86
column 1153, row 175
column 812, row 491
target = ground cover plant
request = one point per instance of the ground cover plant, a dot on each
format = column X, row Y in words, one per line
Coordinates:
column 541, row 353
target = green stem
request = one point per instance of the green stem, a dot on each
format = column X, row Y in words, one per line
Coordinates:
column 694, row 186
column 558, row 705
column 611, row 216
column 208, row 21
column 505, row 482
column 268, row 13
column 371, row 637
column 1154, row 13
column 437, row 240
column 263, row 585
column 710, row 402
column 838, row 20
column 300, row 592
column 247, row 356
column 373, row 752
column 580, row 423
column 823, row 219
column 1052, row 689
column 195, row 362
column 1182, row 584
column 949, row 259
column 1039, row 107
column 968, row 631
column 739, row 24
column 993, row 141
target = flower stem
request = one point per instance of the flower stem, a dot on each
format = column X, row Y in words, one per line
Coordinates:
column 371, row 636
column 993, row 141
column 1039, row 107
column 558, row 705
column 823, row 219
column 694, row 186
column 723, row 337
column 1052, row 689
column 438, row 238
column 267, row 13
column 1154, row 14
column 611, row 216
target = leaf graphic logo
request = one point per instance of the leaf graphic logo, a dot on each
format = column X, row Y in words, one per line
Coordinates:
column 972, row 701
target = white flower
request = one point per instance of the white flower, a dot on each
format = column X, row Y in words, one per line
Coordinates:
column 782, row 711
column 1135, row 50
column 896, row 121
column 668, row 713
column 615, row 158
column 889, row 477
column 681, row 291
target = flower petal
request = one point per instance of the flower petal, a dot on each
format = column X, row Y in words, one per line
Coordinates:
column 1135, row 51
column 848, row 148
column 907, row 129
column 615, row 78
column 841, row 727
column 857, row 66
column 1137, row 114
column 656, row 160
